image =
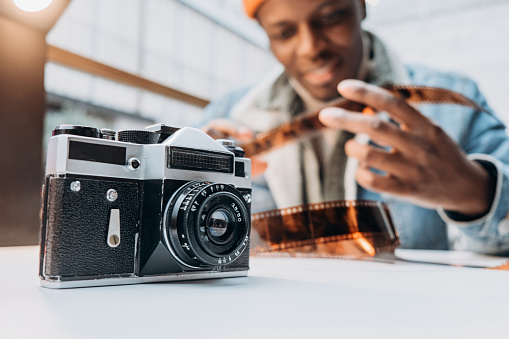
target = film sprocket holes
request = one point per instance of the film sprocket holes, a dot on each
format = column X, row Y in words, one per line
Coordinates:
column 159, row 204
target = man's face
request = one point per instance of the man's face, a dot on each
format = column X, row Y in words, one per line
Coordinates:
column 318, row 41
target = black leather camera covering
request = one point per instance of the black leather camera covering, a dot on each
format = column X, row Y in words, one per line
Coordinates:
column 76, row 228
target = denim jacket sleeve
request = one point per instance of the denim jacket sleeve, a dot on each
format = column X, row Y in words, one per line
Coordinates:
column 483, row 136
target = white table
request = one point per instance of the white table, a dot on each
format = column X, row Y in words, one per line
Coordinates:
column 282, row 297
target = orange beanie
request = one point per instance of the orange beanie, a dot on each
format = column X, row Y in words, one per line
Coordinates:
column 251, row 6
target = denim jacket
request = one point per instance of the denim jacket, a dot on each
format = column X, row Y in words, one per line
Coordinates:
column 483, row 138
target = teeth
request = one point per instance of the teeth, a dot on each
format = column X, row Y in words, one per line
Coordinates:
column 320, row 75
column 321, row 70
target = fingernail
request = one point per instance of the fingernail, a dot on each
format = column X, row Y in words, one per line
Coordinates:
column 349, row 83
column 330, row 114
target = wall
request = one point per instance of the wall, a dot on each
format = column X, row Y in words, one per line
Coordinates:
column 466, row 36
column 172, row 42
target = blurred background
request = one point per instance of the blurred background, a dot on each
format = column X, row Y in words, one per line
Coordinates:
column 124, row 64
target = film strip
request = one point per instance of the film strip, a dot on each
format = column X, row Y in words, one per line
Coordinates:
column 358, row 230
column 308, row 125
column 347, row 229
column 353, row 230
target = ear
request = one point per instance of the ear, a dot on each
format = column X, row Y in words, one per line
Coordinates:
column 362, row 7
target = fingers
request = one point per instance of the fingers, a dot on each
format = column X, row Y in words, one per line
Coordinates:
column 380, row 131
column 372, row 157
column 225, row 129
column 391, row 162
column 381, row 100
column 379, row 182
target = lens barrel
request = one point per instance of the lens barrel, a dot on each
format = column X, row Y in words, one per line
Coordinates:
column 207, row 224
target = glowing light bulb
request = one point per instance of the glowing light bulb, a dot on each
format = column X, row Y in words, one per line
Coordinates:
column 32, row 5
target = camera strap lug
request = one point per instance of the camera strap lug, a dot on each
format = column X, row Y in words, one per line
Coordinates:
column 114, row 228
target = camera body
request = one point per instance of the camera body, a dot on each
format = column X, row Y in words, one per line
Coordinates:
column 154, row 205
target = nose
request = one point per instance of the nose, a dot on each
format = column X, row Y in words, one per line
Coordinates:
column 311, row 42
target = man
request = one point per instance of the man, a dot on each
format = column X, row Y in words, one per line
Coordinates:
column 443, row 165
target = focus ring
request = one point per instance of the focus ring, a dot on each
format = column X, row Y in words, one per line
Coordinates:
column 186, row 225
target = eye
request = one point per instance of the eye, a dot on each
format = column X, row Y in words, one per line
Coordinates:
column 331, row 18
column 283, row 34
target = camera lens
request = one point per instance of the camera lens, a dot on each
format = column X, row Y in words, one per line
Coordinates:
column 207, row 224
column 217, row 224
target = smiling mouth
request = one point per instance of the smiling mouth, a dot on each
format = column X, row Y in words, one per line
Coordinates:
column 322, row 75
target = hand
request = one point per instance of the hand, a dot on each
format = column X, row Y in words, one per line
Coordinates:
column 228, row 129
column 423, row 164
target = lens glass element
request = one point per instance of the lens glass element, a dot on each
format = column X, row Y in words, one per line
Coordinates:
column 218, row 223
column 219, row 226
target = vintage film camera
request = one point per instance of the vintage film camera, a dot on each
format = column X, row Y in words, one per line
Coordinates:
column 154, row 205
